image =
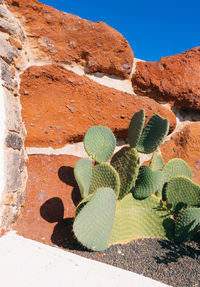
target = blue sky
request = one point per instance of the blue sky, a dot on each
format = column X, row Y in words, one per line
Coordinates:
column 153, row 28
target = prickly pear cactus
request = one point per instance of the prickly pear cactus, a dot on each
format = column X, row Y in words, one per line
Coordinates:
column 176, row 167
column 147, row 183
column 182, row 192
column 153, row 135
column 99, row 143
column 94, row 222
column 126, row 163
column 82, row 174
column 140, row 219
column 104, row 175
column 136, row 128
column 157, row 162
column 187, row 223
column 83, row 202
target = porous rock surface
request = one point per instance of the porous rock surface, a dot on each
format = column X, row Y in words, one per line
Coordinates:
column 174, row 79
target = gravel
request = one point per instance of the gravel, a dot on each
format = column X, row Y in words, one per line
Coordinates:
column 158, row 259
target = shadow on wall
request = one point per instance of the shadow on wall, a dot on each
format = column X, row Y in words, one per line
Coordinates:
column 52, row 211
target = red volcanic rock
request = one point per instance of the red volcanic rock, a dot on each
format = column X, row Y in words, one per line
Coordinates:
column 173, row 79
column 63, row 37
column 51, row 198
column 185, row 144
column 58, row 106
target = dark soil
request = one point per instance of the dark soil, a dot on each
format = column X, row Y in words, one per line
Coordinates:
column 158, row 259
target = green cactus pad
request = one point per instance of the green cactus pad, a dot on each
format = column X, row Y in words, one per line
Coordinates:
column 181, row 192
column 82, row 174
column 104, row 175
column 176, row 167
column 136, row 219
column 187, row 223
column 94, row 222
column 83, row 203
column 136, row 128
column 157, row 162
column 126, row 163
column 153, row 135
column 99, row 143
column 148, row 182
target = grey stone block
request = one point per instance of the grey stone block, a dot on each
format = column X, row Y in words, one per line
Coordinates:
column 13, row 112
column 7, row 52
column 14, row 141
column 5, row 75
column 14, row 166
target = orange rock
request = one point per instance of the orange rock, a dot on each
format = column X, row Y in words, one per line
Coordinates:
column 185, row 144
column 51, row 196
column 174, row 79
column 58, row 106
column 63, row 37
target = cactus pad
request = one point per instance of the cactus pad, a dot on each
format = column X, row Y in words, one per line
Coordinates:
column 157, row 162
column 136, row 128
column 181, row 192
column 140, row 219
column 94, row 222
column 104, row 175
column 188, row 222
column 148, row 182
column 153, row 135
column 82, row 174
column 176, row 167
column 99, row 143
column 126, row 163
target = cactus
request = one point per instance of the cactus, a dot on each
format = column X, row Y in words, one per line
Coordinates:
column 83, row 202
column 187, row 224
column 140, row 219
column 182, row 192
column 99, row 143
column 136, row 128
column 94, row 222
column 126, row 163
column 147, row 183
column 157, row 162
column 176, row 167
column 153, row 135
column 104, row 175
column 82, row 174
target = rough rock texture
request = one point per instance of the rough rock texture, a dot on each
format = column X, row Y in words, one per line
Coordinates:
column 59, row 106
column 51, row 196
column 173, row 79
column 185, row 144
column 66, row 38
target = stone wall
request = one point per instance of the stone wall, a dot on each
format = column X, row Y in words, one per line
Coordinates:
column 61, row 75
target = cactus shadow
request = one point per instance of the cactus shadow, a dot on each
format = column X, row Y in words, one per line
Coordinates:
column 66, row 175
column 52, row 211
column 173, row 252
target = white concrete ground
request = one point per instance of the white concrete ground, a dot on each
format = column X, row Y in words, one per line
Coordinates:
column 28, row 263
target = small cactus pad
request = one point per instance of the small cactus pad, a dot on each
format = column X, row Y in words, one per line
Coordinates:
column 136, row 128
column 147, row 183
column 99, row 143
column 157, row 162
column 187, row 223
column 94, row 222
column 126, row 163
column 136, row 219
column 104, row 175
column 181, row 192
column 82, row 174
column 176, row 167
column 153, row 135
